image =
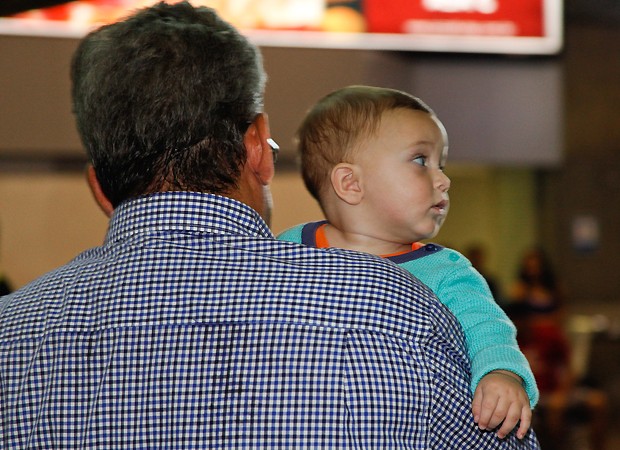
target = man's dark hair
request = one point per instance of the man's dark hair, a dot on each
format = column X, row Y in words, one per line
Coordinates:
column 162, row 101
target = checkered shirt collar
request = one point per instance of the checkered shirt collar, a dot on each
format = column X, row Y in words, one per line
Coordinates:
column 185, row 211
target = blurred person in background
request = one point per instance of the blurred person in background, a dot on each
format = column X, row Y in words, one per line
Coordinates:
column 537, row 306
column 564, row 399
column 538, row 286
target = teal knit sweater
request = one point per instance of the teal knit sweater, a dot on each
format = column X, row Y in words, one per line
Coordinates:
column 489, row 333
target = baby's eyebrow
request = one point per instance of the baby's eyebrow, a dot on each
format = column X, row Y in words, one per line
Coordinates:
column 423, row 142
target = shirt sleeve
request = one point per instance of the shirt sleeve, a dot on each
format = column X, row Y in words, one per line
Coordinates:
column 489, row 333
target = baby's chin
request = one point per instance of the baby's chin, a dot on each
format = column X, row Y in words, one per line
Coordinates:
column 426, row 233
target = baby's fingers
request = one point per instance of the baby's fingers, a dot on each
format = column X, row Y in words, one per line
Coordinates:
column 492, row 413
column 476, row 406
column 512, row 417
column 526, row 422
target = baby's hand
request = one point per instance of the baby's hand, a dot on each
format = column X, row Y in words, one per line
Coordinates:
column 500, row 397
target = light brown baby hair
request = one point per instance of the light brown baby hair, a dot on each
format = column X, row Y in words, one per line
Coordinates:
column 335, row 126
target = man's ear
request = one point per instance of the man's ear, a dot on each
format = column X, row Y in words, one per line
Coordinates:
column 346, row 180
column 95, row 188
column 259, row 156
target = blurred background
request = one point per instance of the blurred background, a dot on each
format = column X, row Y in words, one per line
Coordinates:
column 532, row 111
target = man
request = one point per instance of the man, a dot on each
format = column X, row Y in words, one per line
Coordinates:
column 191, row 327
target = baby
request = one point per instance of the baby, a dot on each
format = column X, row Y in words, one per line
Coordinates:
column 373, row 158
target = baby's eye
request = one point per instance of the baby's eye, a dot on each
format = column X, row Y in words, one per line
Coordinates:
column 421, row 160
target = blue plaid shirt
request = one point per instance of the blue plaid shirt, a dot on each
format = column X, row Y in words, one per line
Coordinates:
column 191, row 327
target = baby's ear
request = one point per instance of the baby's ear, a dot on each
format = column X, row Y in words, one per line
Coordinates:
column 347, row 183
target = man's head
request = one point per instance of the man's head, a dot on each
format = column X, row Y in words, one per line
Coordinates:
column 164, row 101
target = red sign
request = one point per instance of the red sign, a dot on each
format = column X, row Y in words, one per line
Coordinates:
column 523, row 18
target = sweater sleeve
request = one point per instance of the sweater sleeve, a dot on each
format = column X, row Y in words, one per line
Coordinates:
column 489, row 333
column 292, row 234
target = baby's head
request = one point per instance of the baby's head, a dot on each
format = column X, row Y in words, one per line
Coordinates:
column 373, row 158
column 334, row 128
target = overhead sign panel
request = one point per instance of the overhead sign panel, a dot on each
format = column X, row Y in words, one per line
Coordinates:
column 468, row 26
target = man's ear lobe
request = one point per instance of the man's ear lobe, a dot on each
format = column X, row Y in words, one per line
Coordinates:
column 258, row 152
column 95, row 188
column 347, row 183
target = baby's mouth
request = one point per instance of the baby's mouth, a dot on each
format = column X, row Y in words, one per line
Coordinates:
column 441, row 207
